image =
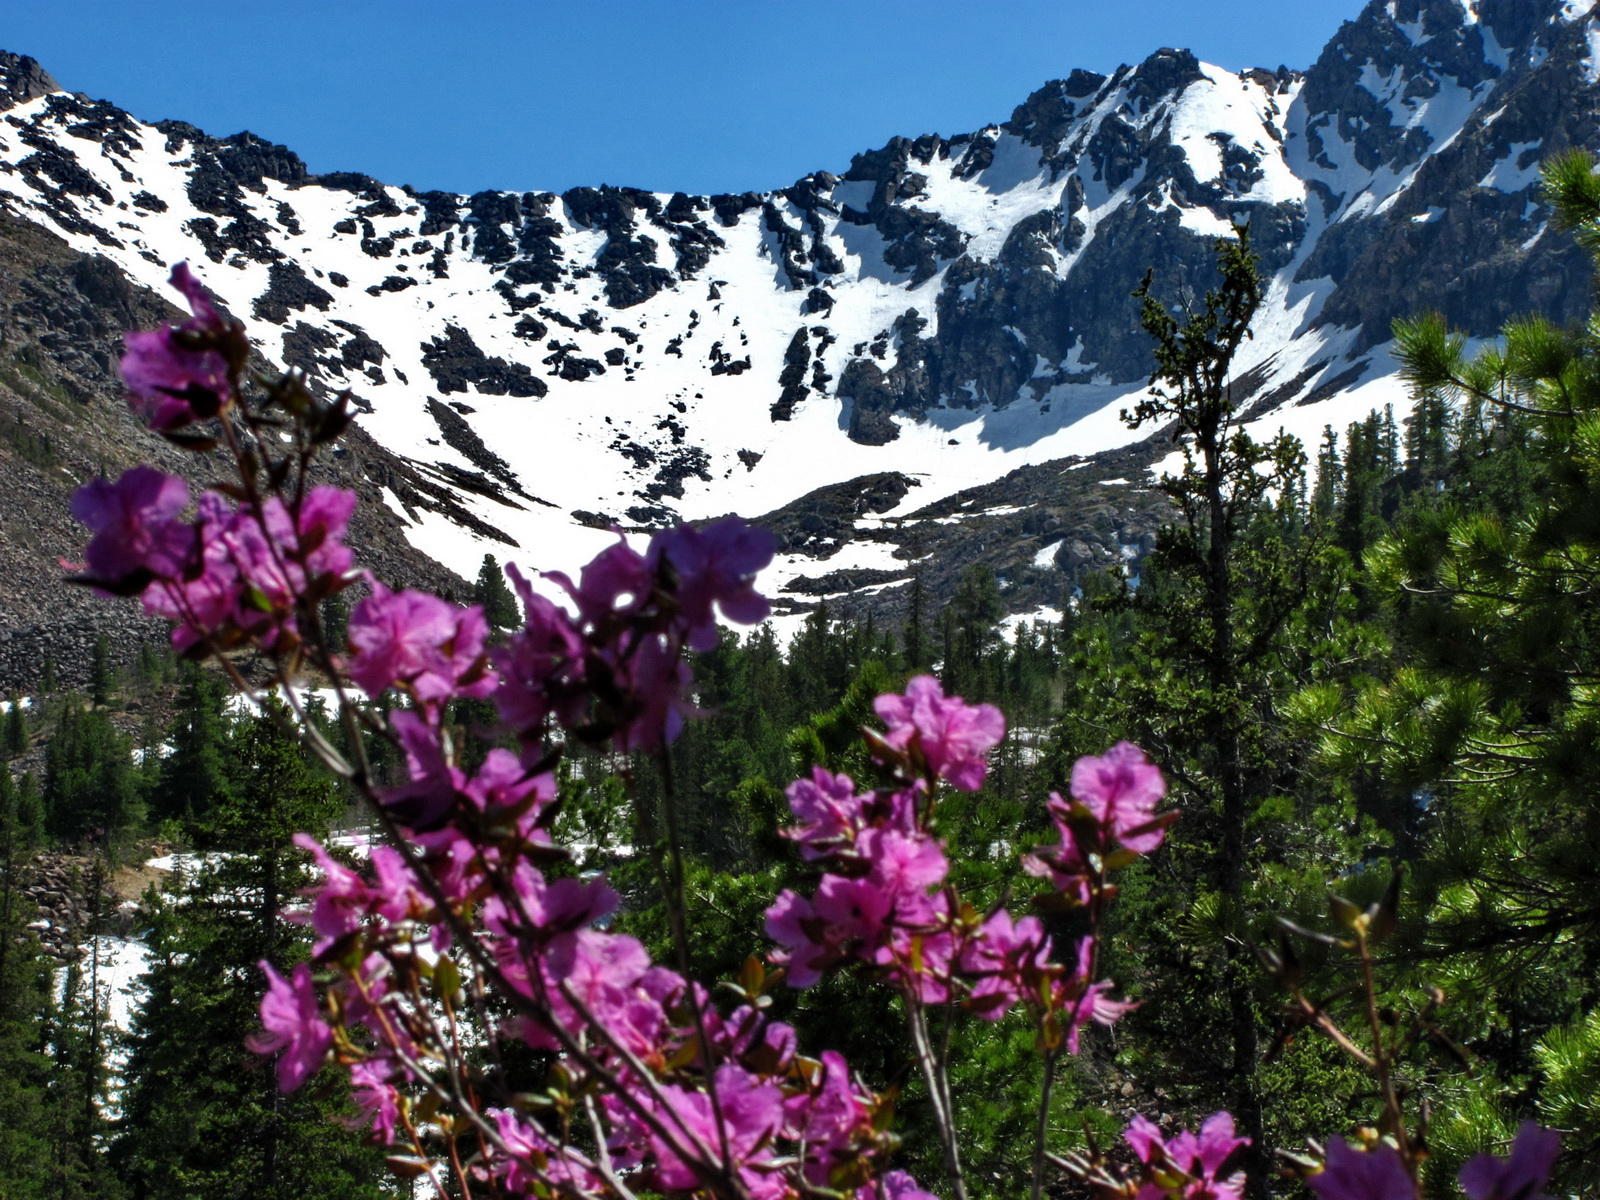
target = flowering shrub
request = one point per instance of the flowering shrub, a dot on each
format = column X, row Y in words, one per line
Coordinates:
column 454, row 943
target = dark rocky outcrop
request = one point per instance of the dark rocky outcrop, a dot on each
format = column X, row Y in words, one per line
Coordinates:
column 23, row 79
column 289, row 288
column 456, row 363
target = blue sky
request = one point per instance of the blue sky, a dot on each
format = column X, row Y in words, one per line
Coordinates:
column 692, row 95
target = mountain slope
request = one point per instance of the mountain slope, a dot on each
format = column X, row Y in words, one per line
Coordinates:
column 945, row 314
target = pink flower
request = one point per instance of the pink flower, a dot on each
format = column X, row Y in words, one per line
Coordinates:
column 1121, row 789
column 903, row 865
column 321, row 523
column 652, row 685
column 617, row 581
column 293, row 1023
column 545, row 910
column 714, row 566
column 376, row 1097
column 1522, row 1176
column 896, row 1185
column 1085, row 1001
column 1351, row 1174
column 949, row 735
column 177, row 374
column 828, row 810
column 419, row 641
column 341, row 900
column 1009, row 959
column 752, row 1114
column 832, row 1118
column 137, row 534
column 534, row 1157
column 792, row 921
column 541, row 667
column 425, row 803
column 1200, row 1158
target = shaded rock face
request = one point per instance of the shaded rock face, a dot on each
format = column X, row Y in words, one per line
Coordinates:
column 63, row 420
column 1469, row 237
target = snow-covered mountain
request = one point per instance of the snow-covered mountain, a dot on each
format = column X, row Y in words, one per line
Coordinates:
column 919, row 356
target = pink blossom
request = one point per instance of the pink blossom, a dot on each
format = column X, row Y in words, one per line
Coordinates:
column 321, row 523
column 428, row 645
column 1087, row 1001
column 1121, row 789
column 854, row 909
column 341, row 900
column 751, row 1110
column 376, row 1097
column 137, row 533
column 904, row 866
column 541, row 667
column 949, row 735
column 832, row 1118
column 792, row 922
column 544, row 910
column 1199, row 1158
column 1521, row 1177
column 895, row 1185
column 177, row 374
column 616, row 582
column 828, row 810
column 714, row 565
column 534, row 1158
column 293, row 1023
column 653, row 689
column 1351, row 1174
column 1009, row 958
column 426, row 801
column 611, row 975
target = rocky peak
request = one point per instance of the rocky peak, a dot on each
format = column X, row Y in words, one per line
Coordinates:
column 23, row 79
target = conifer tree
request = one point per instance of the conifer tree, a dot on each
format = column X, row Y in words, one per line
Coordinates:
column 100, row 671
column 1198, row 684
column 203, row 1117
column 89, row 785
column 14, row 736
column 195, row 776
column 499, row 605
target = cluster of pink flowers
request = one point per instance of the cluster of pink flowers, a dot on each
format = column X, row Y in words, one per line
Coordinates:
column 572, row 984
column 235, row 574
column 1377, row 1172
column 615, row 671
column 457, row 923
column 883, row 901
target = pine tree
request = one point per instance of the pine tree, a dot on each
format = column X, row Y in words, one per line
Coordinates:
column 195, row 775
column 29, row 812
column 14, row 737
column 203, row 1116
column 1200, row 684
column 100, row 672
column 1325, row 494
column 499, row 605
column 89, row 784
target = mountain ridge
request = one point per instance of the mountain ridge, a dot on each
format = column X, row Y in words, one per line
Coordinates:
column 946, row 312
